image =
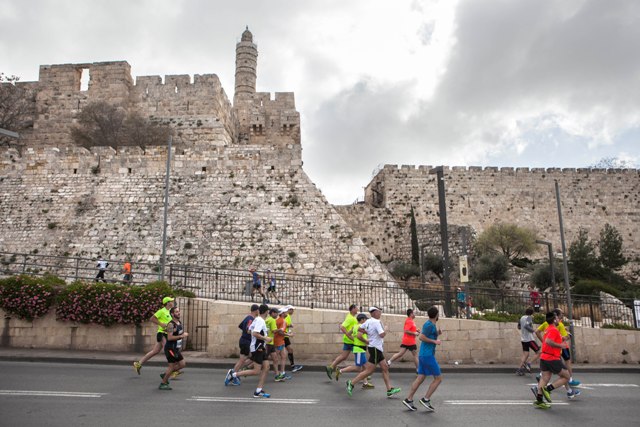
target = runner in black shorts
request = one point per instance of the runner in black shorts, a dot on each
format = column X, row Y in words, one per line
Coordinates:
column 173, row 347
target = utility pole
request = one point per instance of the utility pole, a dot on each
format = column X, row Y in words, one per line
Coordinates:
column 166, row 210
column 554, row 291
column 439, row 172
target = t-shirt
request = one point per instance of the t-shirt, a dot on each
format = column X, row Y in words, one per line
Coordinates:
column 256, row 278
column 430, row 331
column 127, row 268
column 245, row 338
column 548, row 352
column 259, row 326
column 358, row 346
column 279, row 338
column 163, row 316
column 460, row 296
column 288, row 320
column 271, row 326
column 526, row 326
column 561, row 328
column 373, row 328
column 409, row 325
column 349, row 322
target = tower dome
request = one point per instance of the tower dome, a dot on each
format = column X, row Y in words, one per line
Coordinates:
column 247, row 36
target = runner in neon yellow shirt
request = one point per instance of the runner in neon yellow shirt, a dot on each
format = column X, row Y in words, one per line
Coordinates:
column 359, row 352
column 346, row 328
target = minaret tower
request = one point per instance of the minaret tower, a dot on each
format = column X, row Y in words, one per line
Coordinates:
column 246, row 64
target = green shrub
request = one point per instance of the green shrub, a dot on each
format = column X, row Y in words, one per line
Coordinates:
column 497, row 317
column 483, row 302
column 539, row 318
column 405, row 271
column 618, row 326
column 27, row 297
column 593, row 287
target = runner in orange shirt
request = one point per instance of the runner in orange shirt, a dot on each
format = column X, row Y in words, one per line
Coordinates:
column 408, row 339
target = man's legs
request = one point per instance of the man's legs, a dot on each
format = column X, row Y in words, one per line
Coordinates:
column 433, row 387
column 384, row 368
column 368, row 370
column 416, row 384
column 155, row 350
column 339, row 359
column 398, row 355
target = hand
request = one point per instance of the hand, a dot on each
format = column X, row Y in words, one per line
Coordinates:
column 438, row 342
column 268, row 339
column 185, row 334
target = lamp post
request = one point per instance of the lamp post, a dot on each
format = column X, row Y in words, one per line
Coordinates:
column 166, row 209
column 439, row 172
column 554, row 291
column 565, row 270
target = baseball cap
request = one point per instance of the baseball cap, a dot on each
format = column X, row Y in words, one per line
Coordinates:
column 283, row 310
column 165, row 300
column 289, row 307
column 373, row 308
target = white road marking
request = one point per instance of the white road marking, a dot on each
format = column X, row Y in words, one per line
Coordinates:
column 599, row 385
column 252, row 399
column 49, row 393
column 495, row 402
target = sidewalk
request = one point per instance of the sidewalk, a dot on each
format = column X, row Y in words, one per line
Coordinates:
column 202, row 360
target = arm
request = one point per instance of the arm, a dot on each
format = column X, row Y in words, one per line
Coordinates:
column 424, row 338
column 361, row 337
column 346, row 332
column 171, row 337
column 261, row 337
column 552, row 343
column 155, row 320
column 409, row 332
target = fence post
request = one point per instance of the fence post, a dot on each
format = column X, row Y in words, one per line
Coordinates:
column 24, row 264
column 77, row 267
column 170, row 274
column 593, row 325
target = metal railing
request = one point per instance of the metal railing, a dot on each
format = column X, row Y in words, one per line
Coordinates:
column 325, row 292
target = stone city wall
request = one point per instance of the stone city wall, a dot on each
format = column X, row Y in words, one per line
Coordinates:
column 317, row 337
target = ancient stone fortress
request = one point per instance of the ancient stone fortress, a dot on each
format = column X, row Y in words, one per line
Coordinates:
column 238, row 194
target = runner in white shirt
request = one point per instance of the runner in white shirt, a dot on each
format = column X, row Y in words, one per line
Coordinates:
column 259, row 339
column 375, row 339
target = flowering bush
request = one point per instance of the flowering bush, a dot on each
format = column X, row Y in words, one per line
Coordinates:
column 27, row 297
column 107, row 304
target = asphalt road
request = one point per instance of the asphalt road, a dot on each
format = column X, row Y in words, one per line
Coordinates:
column 51, row 394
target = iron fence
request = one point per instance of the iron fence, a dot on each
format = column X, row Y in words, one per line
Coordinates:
column 328, row 292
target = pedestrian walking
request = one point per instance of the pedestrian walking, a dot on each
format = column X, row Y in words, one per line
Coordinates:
column 102, row 268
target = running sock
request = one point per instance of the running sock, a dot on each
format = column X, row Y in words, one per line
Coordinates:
column 233, row 375
column 259, row 389
column 291, row 359
column 550, row 387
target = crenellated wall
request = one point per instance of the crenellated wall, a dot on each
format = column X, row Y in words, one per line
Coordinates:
column 479, row 197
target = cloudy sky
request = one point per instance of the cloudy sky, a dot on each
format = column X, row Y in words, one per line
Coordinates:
column 522, row 83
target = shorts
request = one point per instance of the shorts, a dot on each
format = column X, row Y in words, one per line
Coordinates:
column 271, row 288
column 347, row 347
column 173, row 355
column 412, row 347
column 375, row 355
column 361, row 358
column 536, row 308
column 461, row 304
column 287, row 342
column 280, row 347
column 530, row 345
column 555, row 366
column 245, row 349
column 160, row 336
column 259, row 356
column 270, row 349
column 257, row 285
column 428, row 365
column 566, row 354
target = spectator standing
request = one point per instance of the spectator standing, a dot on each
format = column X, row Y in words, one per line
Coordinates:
column 534, row 296
column 102, row 268
column 126, row 270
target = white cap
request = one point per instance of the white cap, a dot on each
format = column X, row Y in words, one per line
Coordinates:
column 289, row 307
column 283, row 310
column 373, row 308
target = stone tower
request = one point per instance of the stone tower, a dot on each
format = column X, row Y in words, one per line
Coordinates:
column 246, row 64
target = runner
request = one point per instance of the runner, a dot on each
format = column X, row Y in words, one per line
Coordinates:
column 256, row 285
column 271, row 351
column 550, row 362
column 278, row 343
column 427, row 363
column 375, row 339
column 347, row 340
column 528, row 340
column 408, row 339
column 161, row 318
column 259, row 337
column 359, row 353
column 173, row 348
column 270, row 280
column 245, row 342
column 287, row 340
column 566, row 354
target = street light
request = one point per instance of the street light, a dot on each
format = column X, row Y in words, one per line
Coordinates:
column 439, row 172
column 554, row 292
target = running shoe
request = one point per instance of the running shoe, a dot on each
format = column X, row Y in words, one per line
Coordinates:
column 287, row 376
column 546, row 394
column 164, row 386
column 235, row 381
column 162, row 376
column 137, row 366
column 409, row 404
column 229, row 377
column 427, row 404
column 329, row 370
column 368, row 386
column 573, row 393
column 519, row 372
column 393, row 390
column 279, row 378
column 541, row 405
column 296, row 368
column 337, row 374
column 261, row 394
column 538, row 378
column 349, row 387
column 175, row 374
column 534, row 390
column 528, row 367
column 574, row 383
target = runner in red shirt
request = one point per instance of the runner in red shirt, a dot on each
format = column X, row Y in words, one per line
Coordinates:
column 550, row 363
column 408, row 339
